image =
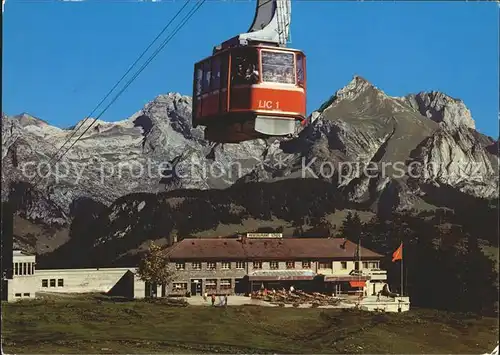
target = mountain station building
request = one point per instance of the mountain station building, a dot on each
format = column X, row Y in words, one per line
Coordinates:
column 257, row 261
column 219, row 266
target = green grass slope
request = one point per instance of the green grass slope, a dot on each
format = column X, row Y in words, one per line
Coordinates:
column 93, row 326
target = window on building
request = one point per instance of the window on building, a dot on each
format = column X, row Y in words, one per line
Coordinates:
column 278, row 67
column 290, row 264
column 274, row 265
column 210, row 285
column 306, row 264
column 25, row 269
column 300, row 69
column 257, row 264
column 211, row 266
column 60, row 283
column 52, row 282
column 179, row 286
column 374, row 265
column 196, row 265
column 240, row 265
column 225, row 284
column 16, row 269
column 226, row 265
column 180, row 266
column 26, row 294
column 365, row 264
column 325, row 265
column 17, row 295
column 244, row 67
column 45, row 283
column 343, row 265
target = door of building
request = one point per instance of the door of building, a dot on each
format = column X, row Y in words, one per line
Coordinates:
column 240, row 287
column 195, row 287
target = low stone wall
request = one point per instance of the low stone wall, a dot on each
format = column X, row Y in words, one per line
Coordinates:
column 386, row 304
column 368, row 304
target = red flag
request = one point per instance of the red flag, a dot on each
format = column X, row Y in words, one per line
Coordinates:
column 398, row 254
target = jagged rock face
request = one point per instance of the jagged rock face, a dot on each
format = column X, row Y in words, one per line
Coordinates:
column 442, row 109
column 377, row 149
column 459, row 159
column 361, row 128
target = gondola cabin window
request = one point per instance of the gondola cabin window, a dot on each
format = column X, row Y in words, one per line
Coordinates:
column 300, row 69
column 198, row 79
column 244, row 69
column 215, row 79
column 278, row 67
column 224, row 70
column 207, row 75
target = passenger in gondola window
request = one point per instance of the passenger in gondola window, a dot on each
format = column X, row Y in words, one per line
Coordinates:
column 255, row 76
column 252, row 75
column 288, row 76
column 239, row 71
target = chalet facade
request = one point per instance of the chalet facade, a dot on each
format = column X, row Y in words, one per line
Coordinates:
column 247, row 264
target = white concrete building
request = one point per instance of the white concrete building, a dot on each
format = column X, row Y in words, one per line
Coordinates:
column 27, row 281
column 23, row 284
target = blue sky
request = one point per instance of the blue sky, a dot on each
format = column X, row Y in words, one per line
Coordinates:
column 61, row 58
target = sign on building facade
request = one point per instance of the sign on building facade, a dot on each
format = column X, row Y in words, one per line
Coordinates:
column 264, row 235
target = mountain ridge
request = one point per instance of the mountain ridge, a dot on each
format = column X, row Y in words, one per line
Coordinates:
column 359, row 124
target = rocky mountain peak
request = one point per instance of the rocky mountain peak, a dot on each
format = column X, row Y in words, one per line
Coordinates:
column 168, row 116
column 357, row 87
column 25, row 119
column 441, row 108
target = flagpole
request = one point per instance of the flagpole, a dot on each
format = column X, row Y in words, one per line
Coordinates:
column 402, row 248
column 360, row 266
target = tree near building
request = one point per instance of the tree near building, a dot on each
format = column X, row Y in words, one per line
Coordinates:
column 155, row 269
column 352, row 227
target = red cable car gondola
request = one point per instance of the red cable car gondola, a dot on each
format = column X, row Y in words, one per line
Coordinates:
column 252, row 87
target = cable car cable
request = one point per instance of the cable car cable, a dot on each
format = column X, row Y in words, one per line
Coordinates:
column 164, row 43
column 78, row 127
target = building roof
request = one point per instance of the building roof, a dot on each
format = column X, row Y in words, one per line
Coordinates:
column 266, row 249
column 18, row 252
